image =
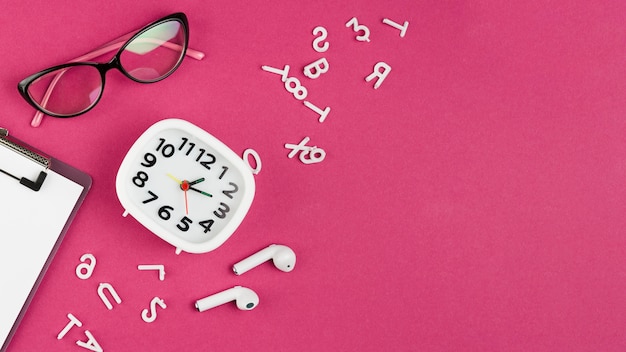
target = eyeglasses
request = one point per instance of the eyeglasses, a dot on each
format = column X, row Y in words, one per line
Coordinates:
column 145, row 56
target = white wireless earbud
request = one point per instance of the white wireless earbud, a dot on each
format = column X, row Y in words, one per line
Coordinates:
column 283, row 257
column 245, row 298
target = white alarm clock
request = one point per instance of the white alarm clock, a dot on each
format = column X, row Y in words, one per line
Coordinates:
column 185, row 186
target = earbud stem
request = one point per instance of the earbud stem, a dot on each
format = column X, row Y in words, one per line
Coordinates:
column 245, row 298
column 254, row 260
column 214, row 300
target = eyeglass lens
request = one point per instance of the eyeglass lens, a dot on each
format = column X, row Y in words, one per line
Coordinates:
column 155, row 53
column 148, row 58
column 67, row 90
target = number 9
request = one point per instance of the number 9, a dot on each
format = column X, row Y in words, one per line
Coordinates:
column 150, row 160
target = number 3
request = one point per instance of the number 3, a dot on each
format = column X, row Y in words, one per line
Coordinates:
column 222, row 210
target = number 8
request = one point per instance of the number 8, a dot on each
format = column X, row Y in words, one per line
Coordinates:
column 140, row 179
column 298, row 91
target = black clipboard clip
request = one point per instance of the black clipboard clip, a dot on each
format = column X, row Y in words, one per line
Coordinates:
column 29, row 153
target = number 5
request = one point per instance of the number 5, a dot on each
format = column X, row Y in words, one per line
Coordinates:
column 184, row 224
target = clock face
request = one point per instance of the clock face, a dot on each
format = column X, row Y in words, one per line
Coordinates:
column 185, row 186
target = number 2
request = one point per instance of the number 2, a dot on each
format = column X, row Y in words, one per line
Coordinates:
column 229, row 192
column 207, row 163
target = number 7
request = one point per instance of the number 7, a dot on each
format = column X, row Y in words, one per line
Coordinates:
column 154, row 197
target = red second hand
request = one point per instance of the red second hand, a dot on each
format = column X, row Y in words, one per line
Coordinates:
column 185, row 187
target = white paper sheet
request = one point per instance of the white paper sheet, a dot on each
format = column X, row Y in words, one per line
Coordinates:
column 30, row 224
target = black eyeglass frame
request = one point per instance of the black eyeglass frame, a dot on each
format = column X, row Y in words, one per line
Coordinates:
column 103, row 68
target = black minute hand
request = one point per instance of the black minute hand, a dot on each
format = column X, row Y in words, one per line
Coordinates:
column 196, row 181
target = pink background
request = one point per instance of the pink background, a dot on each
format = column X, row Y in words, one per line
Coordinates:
column 474, row 202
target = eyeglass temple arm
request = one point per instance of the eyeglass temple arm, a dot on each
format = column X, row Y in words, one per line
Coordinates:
column 107, row 48
column 198, row 55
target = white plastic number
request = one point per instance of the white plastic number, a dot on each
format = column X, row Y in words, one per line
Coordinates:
column 315, row 154
column 365, row 37
column 84, row 270
column 298, row 91
column 292, row 84
column 257, row 160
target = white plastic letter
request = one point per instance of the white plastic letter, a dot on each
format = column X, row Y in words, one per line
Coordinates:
column 379, row 74
column 73, row 321
column 91, row 343
column 159, row 267
column 395, row 25
column 257, row 160
column 316, row 68
column 105, row 300
column 283, row 73
column 322, row 37
column 365, row 37
column 153, row 315
column 84, row 270
column 323, row 113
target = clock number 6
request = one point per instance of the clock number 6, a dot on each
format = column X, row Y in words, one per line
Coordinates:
column 165, row 212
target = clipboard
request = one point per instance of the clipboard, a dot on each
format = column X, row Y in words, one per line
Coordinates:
column 39, row 198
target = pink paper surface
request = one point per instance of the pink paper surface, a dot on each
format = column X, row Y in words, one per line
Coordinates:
column 474, row 202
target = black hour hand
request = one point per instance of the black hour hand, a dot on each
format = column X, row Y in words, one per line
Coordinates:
column 201, row 192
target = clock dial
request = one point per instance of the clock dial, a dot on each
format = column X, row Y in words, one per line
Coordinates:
column 188, row 189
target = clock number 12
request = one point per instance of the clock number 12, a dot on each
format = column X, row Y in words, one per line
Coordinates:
column 190, row 147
